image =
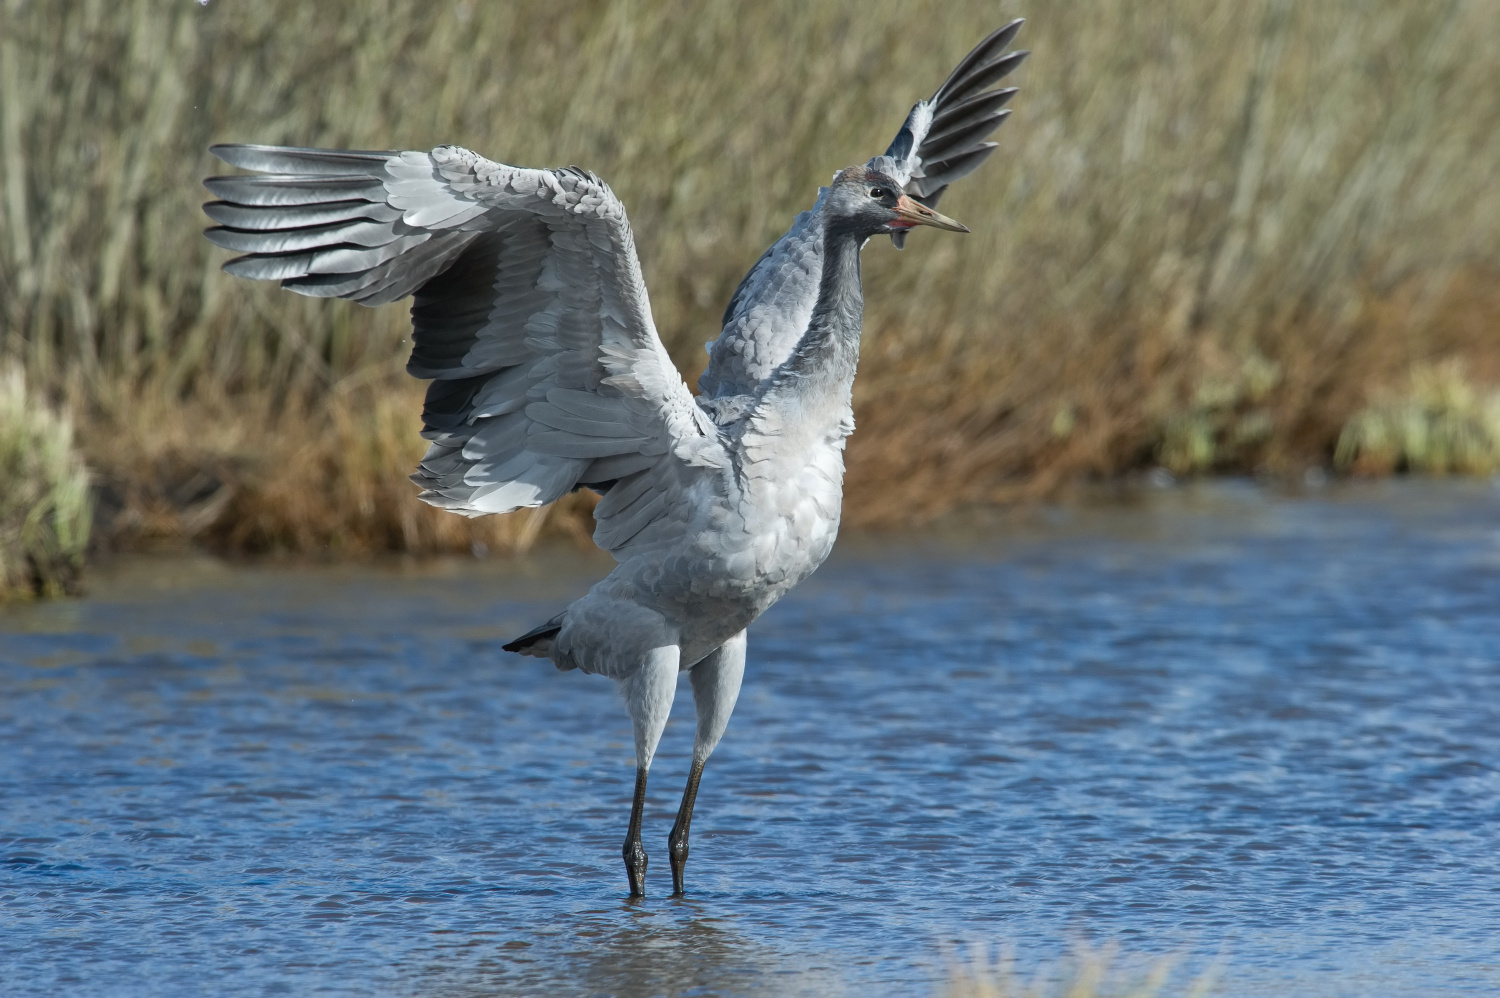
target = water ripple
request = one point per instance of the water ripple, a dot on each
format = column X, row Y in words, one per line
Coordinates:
column 1222, row 723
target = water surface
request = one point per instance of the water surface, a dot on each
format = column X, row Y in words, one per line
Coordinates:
column 1242, row 727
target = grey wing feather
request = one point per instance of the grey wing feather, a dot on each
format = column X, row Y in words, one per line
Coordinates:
column 266, row 192
column 296, row 160
column 235, row 216
column 530, row 316
column 941, row 141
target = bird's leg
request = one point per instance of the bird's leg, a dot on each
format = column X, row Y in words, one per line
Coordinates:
column 716, row 686
column 648, row 692
column 634, row 851
column 677, row 842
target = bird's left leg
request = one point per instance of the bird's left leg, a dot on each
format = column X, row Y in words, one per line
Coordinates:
column 716, row 686
column 648, row 695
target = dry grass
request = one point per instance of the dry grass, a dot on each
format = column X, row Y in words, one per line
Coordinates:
column 1217, row 230
column 248, row 473
column 44, row 501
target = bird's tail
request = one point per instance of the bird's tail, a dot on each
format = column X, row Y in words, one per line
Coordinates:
column 539, row 641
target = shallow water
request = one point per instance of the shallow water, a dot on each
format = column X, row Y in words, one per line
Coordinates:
column 1254, row 730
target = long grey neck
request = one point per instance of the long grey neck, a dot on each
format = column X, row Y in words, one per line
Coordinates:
column 807, row 402
column 823, row 363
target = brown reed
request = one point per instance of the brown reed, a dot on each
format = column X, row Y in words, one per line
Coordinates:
column 1215, row 233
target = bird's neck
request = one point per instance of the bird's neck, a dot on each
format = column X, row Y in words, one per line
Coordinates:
column 828, row 352
column 810, row 394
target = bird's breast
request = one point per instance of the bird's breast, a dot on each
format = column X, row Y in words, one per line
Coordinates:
column 782, row 523
column 765, row 535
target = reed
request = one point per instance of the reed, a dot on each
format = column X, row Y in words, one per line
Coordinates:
column 44, row 498
column 1217, row 231
column 253, row 473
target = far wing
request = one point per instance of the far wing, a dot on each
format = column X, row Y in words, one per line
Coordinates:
column 941, row 141
column 530, row 316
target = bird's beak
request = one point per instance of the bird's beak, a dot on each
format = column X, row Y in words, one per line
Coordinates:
column 909, row 213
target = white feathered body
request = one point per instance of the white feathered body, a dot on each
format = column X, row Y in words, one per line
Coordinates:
column 763, row 523
column 756, row 535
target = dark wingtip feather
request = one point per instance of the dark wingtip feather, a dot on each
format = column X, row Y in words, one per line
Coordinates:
column 968, row 110
column 940, row 175
column 983, row 76
column 995, row 41
column 964, row 136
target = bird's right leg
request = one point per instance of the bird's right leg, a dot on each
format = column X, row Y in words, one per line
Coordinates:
column 648, row 695
column 716, row 686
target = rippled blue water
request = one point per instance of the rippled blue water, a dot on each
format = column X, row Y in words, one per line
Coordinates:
column 1250, row 728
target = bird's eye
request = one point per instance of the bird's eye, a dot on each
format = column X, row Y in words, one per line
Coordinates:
column 879, row 193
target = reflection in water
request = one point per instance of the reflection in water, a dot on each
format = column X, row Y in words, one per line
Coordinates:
column 630, row 950
column 649, row 954
column 1220, row 722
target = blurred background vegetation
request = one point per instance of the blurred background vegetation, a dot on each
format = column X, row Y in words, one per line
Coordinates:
column 1220, row 236
column 45, row 512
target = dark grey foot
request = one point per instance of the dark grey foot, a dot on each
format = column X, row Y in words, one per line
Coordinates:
column 635, row 866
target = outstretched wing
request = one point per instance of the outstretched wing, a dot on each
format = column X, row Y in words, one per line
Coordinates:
column 530, row 316
column 942, row 140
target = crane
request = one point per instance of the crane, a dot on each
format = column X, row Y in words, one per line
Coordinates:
column 532, row 322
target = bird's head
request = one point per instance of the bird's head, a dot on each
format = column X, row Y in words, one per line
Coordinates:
column 866, row 203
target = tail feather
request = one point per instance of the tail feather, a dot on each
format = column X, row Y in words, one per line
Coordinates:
column 537, row 642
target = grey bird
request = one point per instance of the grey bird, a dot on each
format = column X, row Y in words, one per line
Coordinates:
column 532, row 321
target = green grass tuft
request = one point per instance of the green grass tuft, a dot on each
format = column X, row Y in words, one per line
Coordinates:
column 1441, row 424
column 45, row 511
